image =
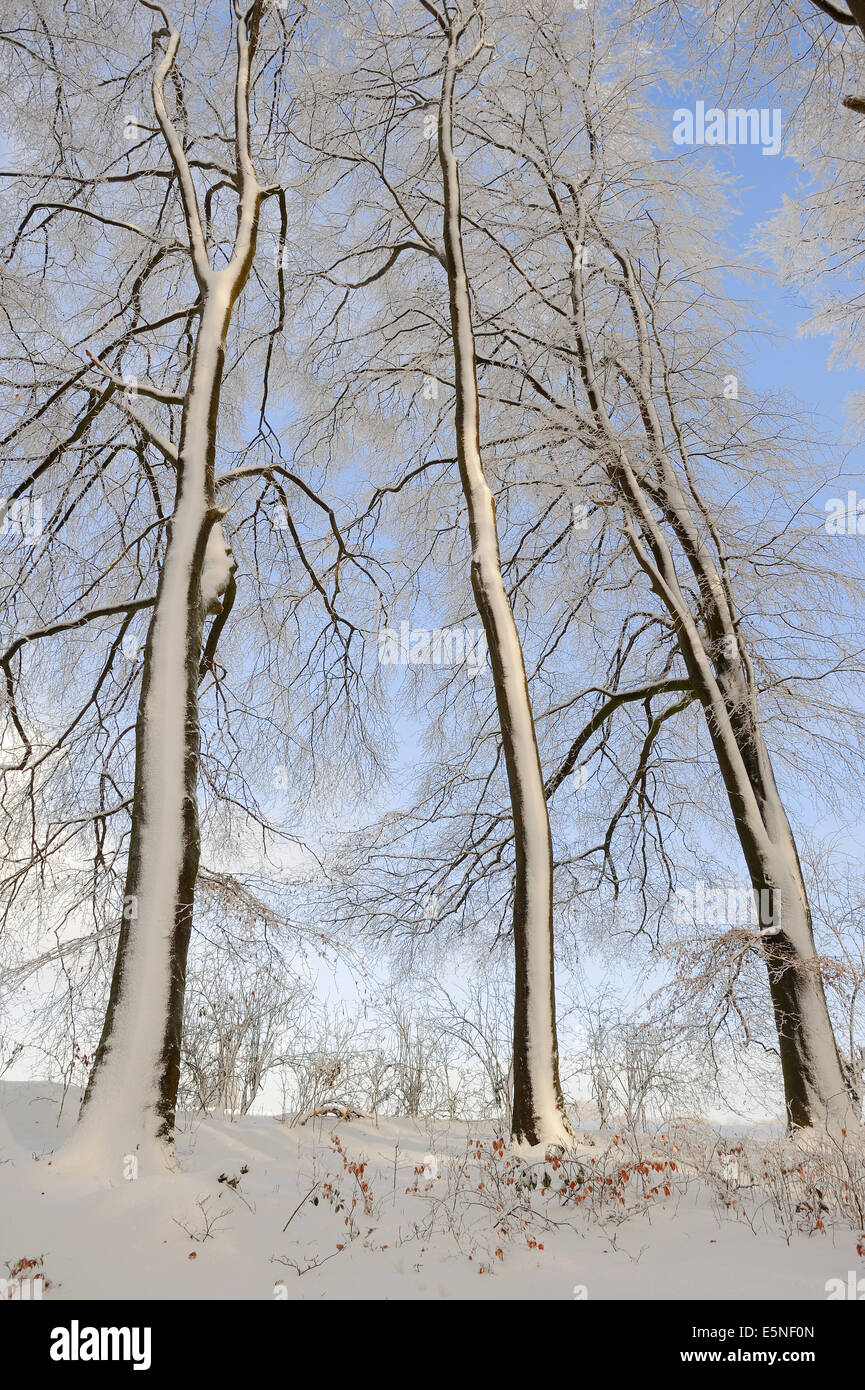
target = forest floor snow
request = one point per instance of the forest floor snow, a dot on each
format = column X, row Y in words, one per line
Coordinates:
column 409, row 1209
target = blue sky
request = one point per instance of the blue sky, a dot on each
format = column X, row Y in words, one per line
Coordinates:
column 799, row 364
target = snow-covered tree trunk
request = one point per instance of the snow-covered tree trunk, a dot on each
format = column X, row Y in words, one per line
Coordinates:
column 815, row 1084
column 130, row 1100
column 133, row 1083
column 538, row 1113
column 717, row 661
column 815, row 1087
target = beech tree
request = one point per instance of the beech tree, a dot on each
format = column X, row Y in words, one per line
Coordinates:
column 131, row 415
column 415, row 66
column 593, row 332
column 137, row 1064
column 427, row 261
column 673, row 533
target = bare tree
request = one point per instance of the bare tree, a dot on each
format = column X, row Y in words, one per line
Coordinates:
column 243, row 1006
column 137, row 1067
column 453, row 42
column 675, row 540
column 152, row 395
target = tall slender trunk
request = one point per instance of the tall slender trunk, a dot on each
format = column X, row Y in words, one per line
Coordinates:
column 538, row 1114
column 816, row 1089
column 815, row 1086
column 129, row 1104
column 719, row 668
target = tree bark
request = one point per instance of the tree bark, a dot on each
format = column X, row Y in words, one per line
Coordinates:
column 129, row 1104
column 720, row 673
column 538, row 1113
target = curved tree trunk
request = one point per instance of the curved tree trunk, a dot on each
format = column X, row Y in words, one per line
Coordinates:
column 720, row 673
column 815, row 1086
column 538, row 1113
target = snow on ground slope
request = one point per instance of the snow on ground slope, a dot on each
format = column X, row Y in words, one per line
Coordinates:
column 466, row 1227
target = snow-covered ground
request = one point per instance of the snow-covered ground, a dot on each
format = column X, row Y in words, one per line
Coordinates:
column 471, row 1224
